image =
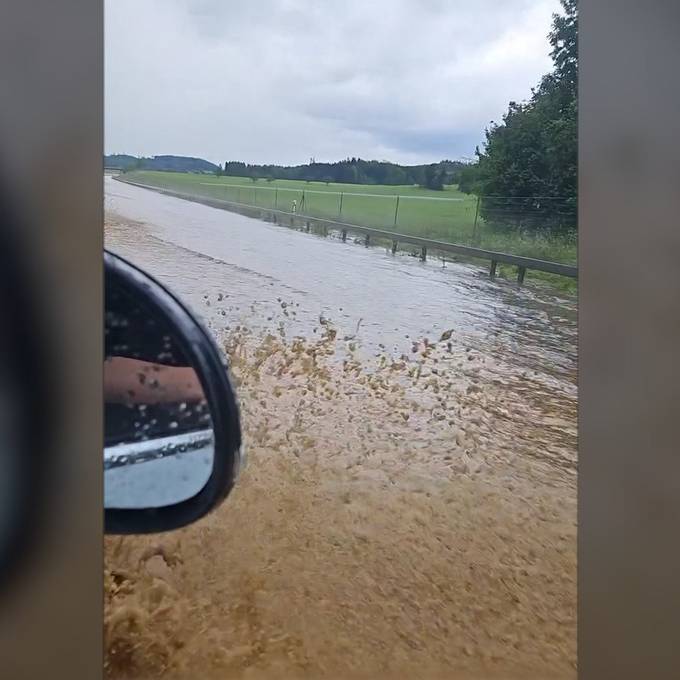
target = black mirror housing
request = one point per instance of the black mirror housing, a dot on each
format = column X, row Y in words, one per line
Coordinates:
column 202, row 354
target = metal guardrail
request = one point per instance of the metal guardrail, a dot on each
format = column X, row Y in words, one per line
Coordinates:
column 522, row 263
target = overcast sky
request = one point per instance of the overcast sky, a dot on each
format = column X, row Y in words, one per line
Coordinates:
column 280, row 81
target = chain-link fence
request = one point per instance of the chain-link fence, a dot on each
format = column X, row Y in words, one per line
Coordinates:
column 539, row 214
column 543, row 228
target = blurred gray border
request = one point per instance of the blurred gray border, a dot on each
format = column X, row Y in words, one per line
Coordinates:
column 51, row 142
column 629, row 339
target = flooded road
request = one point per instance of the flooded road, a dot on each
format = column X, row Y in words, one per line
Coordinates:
column 397, row 298
column 410, row 501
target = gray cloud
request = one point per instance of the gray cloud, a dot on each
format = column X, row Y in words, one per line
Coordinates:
column 283, row 80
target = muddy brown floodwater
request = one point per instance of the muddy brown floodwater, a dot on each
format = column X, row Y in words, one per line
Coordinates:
column 409, row 506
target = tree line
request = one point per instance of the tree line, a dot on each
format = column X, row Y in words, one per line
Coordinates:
column 527, row 172
column 353, row 171
column 349, row 171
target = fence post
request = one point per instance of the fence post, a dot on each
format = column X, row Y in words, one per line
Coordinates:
column 394, row 247
column 423, row 254
column 344, row 235
column 492, row 273
column 340, row 211
column 474, row 228
column 521, row 271
column 368, row 239
column 276, row 198
column 396, row 212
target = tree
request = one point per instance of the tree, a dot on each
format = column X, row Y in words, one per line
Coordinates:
column 530, row 159
column 468, row 179
column 434, row 177
column 235, row 169
column 564, row 42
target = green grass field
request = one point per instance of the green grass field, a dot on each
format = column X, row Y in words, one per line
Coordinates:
column 447, row 215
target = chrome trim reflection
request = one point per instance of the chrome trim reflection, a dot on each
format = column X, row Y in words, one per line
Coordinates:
column 153, row 449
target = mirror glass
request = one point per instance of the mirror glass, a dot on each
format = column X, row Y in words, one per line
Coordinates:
column 158, row 448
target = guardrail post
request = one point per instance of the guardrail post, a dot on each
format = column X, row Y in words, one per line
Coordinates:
column 276, row 198
column 492, row 273
column 308, row 226
column 396, row 211
column 521, row 271
column 340, row 210
column 344, row 235
column 423, row 254
column 394, row 247
column 368, row 239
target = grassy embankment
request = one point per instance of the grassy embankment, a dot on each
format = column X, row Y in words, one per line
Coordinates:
column 447, row 215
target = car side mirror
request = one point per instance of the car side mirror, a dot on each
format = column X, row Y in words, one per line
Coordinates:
column 172, row 448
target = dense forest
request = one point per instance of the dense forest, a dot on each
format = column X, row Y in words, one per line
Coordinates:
column 527, row 171
column 354, row 171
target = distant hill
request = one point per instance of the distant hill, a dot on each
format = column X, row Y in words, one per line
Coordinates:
column 167, row 163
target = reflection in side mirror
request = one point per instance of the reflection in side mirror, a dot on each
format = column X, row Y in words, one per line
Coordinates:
column 157, row 472
column 172, row 434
